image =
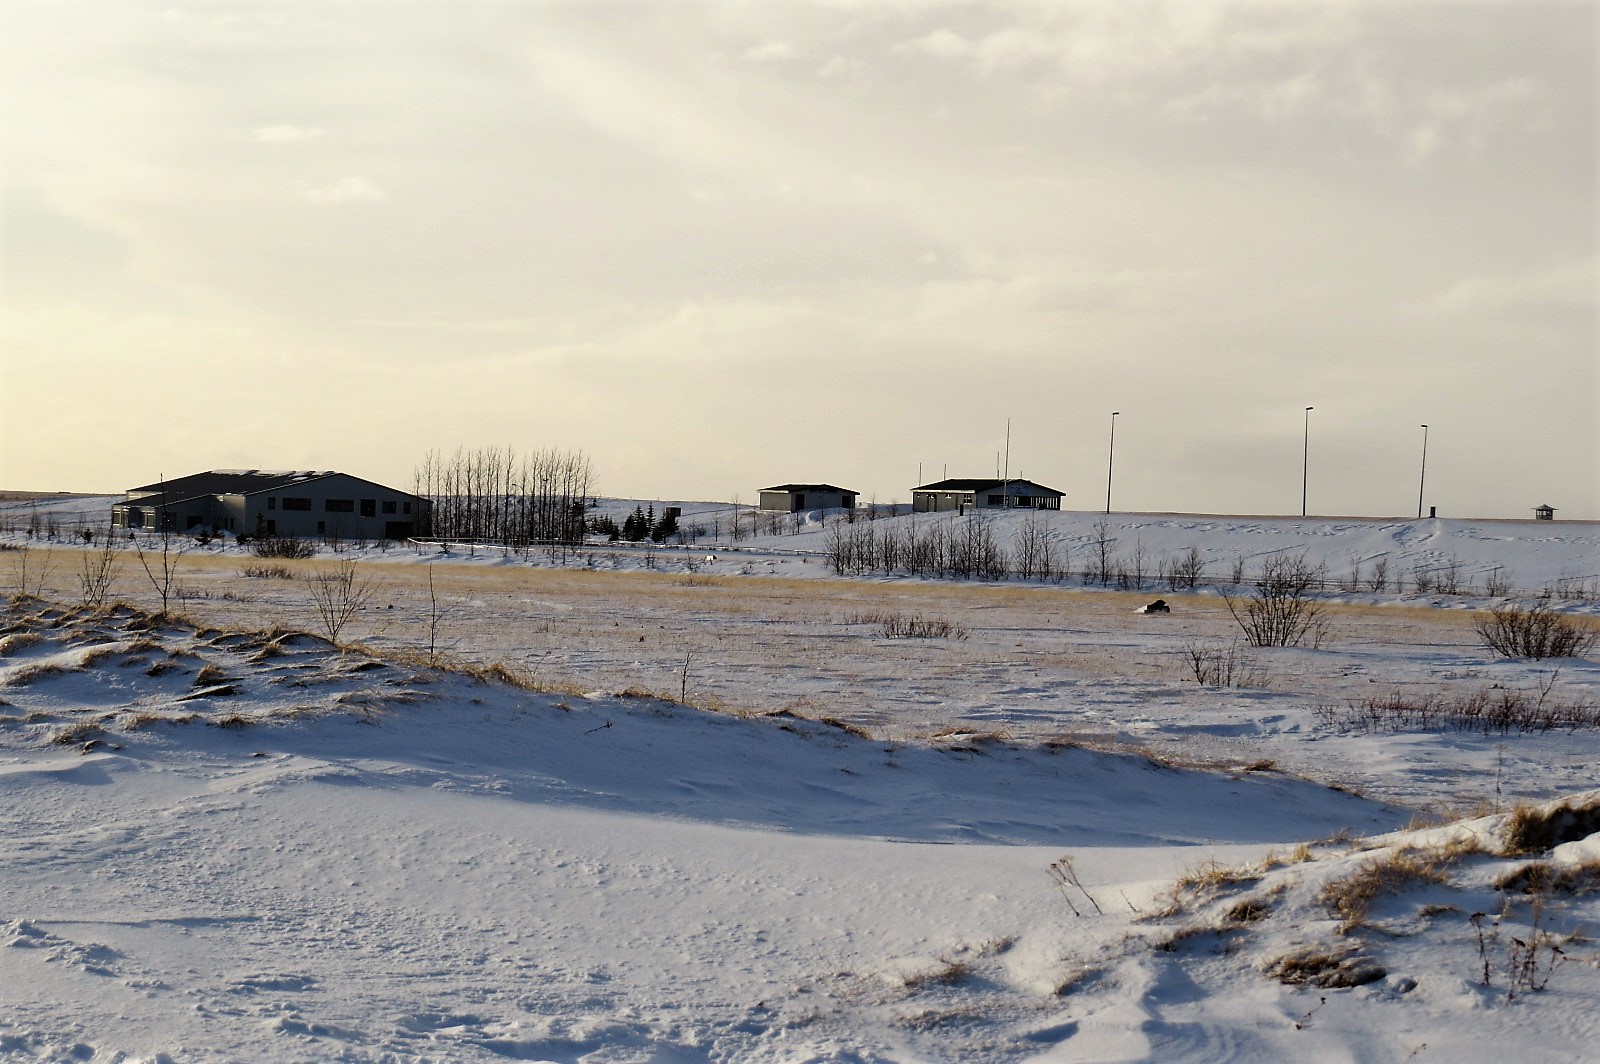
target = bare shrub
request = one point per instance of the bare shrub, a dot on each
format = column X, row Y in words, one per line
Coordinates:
column 916, row 626
column 161, row 567
column 30, row 571
column 1531, row 957
column 336, row 595
column 1065, row 876
column 1497, row 583
column 1281, row 612
column 281, row 547
column 1489, row 710
column 1215, row 664
column 1447, row 577
column 266, row 572
column 1379, row 578
column 1101, row 567
column 1536, row 632
column 100, row 569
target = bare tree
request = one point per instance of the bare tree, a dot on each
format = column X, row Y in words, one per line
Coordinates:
column 29, row 575
column 336, row 595
column 436, row 615
column 161, row 567
column 1186, row 570
column 1104, row 546
column 1281, row 612
column 100, row 570
column 495, row 495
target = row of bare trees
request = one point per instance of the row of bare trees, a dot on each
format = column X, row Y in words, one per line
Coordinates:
column 964, row 549
column 495, row 495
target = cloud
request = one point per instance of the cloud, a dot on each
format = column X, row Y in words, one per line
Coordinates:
column 284, row 134
column 1570, row 285
column 943, row 42
column 771, row 52
column 344, row 190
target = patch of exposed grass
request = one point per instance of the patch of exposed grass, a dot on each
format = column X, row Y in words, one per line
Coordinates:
column 1392, row 872
column 28, row 674
column 1321, row 967
column 11, row 644
column 1547, row 878
column 210, row 674
column 73, row 734
column 1530, row 829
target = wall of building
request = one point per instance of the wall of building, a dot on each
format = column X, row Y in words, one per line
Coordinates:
column 339, row 506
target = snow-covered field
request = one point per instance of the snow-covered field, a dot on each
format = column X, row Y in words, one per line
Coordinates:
column 657, row 807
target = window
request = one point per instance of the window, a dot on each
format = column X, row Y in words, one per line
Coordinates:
column 369, row 508
column 272, row 502
column 408, row 507
column 296, row 504
column 339, row 506
column 388, row 507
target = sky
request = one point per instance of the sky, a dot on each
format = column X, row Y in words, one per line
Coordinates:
column 720, row 246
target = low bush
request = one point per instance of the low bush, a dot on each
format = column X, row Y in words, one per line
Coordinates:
column 1536, row 632
column 281, row 547
column 1493, row 710
column 267, row 572
column 896, row 626
column 1281, row 611
column 1222, row 665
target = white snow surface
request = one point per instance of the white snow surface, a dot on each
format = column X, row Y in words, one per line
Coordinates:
column 225, row 844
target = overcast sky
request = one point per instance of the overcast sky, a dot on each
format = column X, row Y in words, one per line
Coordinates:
column 719, row 246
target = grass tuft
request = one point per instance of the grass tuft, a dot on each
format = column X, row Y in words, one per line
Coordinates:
column 1530, row 829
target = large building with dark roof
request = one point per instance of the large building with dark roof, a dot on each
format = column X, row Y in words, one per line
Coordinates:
column 274, row 502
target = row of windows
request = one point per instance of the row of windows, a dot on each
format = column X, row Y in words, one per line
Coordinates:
column 338, row 506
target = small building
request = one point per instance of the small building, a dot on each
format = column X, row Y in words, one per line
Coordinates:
column 283, row 503
column 1544, row 513
column 796, row 498
column 961, row 495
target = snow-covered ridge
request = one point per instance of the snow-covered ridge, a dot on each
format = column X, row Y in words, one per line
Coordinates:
column 257, row 845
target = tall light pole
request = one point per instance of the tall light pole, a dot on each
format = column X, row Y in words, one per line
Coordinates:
column 1111, row 458
column 1423, row 479
column 1305, row 462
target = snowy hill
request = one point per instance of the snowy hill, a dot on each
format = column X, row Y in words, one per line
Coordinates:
column 230, row 845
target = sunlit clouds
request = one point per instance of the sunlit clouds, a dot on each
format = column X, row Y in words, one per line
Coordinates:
column 720, row 245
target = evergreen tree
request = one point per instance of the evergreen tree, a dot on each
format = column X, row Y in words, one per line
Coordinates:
column 667, row 526
column 637, row 526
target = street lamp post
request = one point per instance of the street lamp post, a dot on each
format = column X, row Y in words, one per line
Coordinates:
column 1305, row 462
column 1423, row 479
column 1111, row 458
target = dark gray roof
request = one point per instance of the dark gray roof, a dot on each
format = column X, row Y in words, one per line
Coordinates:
column 811, row 487
column 246, row 482
column 981, row 484
column 229, row 482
